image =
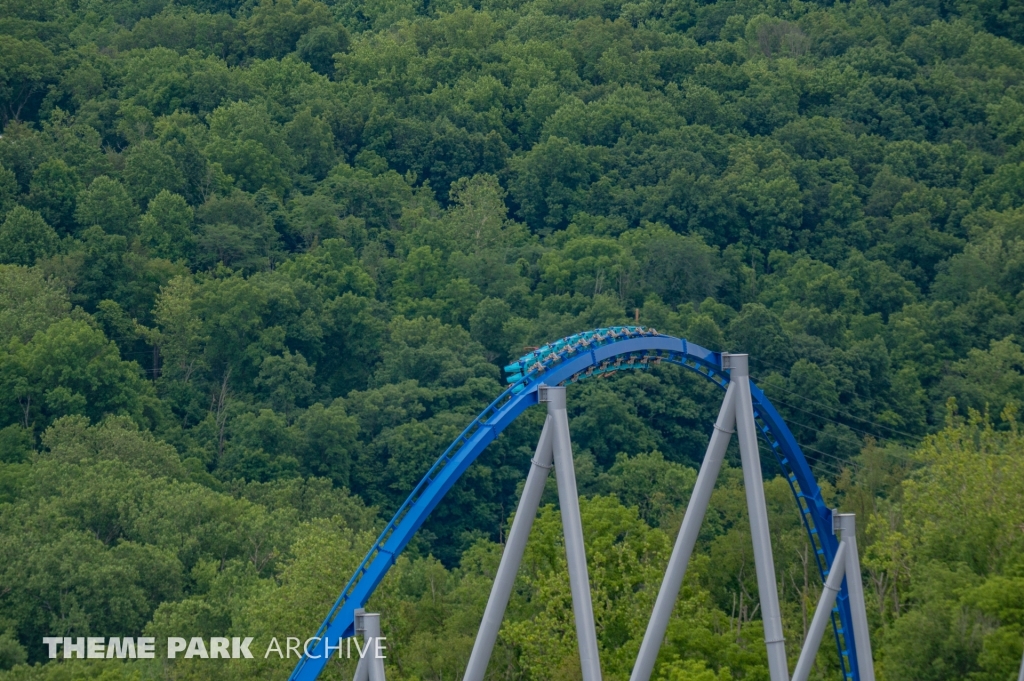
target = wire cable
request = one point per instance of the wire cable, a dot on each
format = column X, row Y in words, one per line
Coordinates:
column 838, row 411
column 894, row 454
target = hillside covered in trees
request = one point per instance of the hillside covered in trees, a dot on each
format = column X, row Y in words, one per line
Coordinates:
column 262, row 261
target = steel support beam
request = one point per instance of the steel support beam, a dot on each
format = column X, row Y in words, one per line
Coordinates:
column 846, row 524
column 370, row 667
column 511, row 557
column 362, row 671
column 687, row 538
column 746, row 430
column 822, row 615
column 572, row 527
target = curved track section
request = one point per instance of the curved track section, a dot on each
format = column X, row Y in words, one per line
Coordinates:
column 570, row 360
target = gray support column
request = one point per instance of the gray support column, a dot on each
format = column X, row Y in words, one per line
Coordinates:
column 854, row 583
column 371, row 632
column 572, row 527
column 369, row 668
column 821, row 616
column 362, row 667
column 746, row 430
column 687, row 538
column 511, row 557
column 1020, row 676
column 362, row 670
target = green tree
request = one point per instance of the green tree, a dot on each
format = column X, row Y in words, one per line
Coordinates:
column 318, row 46
column 487, row 323
column 236, row 232
column 148, row 171
column 29, row 302
column 53, row 192
column 311, row 140
column 8, row 190
column 656, row 487
column 329, row 447
column 250, row 147
column 760, row 332
column 550, row 182
column 432, row 353
column 167, row 227
column 70, row 368
column 106, row 203
column 987, row 380
column 277, row 25
column 678, row 269
column 28, row 67
column 286, row 381
column 25, row 237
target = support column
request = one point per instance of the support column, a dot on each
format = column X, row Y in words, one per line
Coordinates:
column 821, row 616
column 846, row 523
column 370, row 667
column 362, row 667
column 572, row 527
column 746, row 429
column 511, row 557
column 687, row 538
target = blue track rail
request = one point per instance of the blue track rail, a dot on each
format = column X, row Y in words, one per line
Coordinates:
column 570, row 360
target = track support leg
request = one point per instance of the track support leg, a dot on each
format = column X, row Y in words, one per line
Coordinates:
column 572, row 527
column 746, row 430
column 511, row 557
column 845, row 523
column 737, row 410
column 687, row 538
column 822, row 614
column 846, row 563
column 370, row 667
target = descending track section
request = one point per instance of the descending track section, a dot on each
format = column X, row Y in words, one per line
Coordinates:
column 576, row 358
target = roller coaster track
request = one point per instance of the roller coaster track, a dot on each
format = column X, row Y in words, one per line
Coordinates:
column 570, row 360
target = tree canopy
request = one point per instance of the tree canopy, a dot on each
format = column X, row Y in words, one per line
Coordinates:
column 260, row 262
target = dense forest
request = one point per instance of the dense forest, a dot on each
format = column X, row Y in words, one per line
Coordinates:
column 262, row 261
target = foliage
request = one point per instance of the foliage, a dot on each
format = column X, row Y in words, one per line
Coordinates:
column 260, row 262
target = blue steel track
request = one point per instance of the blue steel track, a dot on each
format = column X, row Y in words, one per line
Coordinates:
column 570, row 360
